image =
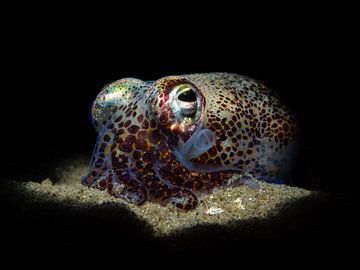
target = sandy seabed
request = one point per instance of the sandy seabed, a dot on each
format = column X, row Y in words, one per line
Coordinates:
column 221, row 207
column 58, row 214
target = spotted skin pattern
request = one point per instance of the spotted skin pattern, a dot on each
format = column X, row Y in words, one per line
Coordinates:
column 141, row 130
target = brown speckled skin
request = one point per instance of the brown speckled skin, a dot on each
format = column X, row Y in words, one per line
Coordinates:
column 134, row 157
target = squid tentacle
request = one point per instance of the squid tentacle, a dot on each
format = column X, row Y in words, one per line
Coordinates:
column 181, row 197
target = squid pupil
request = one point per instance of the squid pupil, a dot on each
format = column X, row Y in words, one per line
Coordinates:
column 188, row 96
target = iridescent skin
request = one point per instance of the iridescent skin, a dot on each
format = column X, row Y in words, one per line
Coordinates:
column 171, row 140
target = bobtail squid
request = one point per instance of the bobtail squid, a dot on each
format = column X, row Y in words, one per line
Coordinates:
column 173, row 139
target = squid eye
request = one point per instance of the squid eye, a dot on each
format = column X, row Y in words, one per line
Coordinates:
column 186, row 104
column 186, row 99
column 187, row 95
